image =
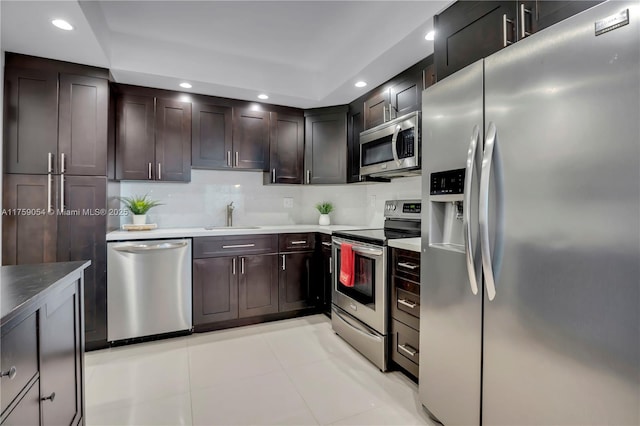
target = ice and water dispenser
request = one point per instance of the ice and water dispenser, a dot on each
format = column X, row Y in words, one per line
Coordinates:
column 446, row 192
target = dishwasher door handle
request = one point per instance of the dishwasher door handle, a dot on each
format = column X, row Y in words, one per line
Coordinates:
column 143, row 248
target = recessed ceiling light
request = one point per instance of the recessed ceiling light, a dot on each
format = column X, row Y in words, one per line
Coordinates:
column 186, row 85
column 62, row 24
column 263, row 96
column 430, row 35
column 361, row 84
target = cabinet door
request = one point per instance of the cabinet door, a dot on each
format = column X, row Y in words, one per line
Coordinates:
column 471, row 30
column 173, row 141
column 82, row 124
column 406, row 96
column 286, row 148
column 429, row 76
column 27, row 412
column 30, row 120
column 355, row 125
column 258, row 285
column 61, row 356
column 376, row 109
column 327, row 277
column 82, row 237
column 295, row 281
column 28, row 238
column 326, row 148
column 211, row 143
column 215, row 289
column 250, row 139
column 135, row 143
column 535, row 15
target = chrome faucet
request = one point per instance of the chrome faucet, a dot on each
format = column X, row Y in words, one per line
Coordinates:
column 230, row 214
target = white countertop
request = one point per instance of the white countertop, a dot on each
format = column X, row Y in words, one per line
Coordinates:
column 201, row 232
column 412, row 244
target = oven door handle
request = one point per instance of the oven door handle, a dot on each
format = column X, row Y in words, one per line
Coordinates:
column 357, row 327
column 363, row 250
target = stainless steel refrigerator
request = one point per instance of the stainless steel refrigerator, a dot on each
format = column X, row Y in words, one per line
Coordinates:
column 530, row 300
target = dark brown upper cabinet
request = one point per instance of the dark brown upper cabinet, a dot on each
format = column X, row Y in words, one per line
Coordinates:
column 250, row 139
column 355, row 125
column 211, row 143
column 153, row 139
column 377, row 108
column 286, row 149
column 406, row 96
column 326, row 145
column 471, row 30
column 47, row 125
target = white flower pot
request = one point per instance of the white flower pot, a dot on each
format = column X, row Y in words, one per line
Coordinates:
column 324, row 220
column 139, row 219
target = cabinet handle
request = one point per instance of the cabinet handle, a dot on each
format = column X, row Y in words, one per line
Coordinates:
column 408, row 350
column 330, row 265
column 326, row 244
column 159, row 171
column 523, row 21
column 237, row 160
column 284, row 262
column 505, row 21
column 49, row 183
column 61, row 193
column 238, row 246
column 62, row 163
column 298, row 242
column 273, row 176
column 308, row 176
column 229, row 158
column 233, row 265
column 407, row 303
column 408, row 265
column 242, row 265
column 50, row 163
column 150, row 165
column 11, row 373
column 50, row 397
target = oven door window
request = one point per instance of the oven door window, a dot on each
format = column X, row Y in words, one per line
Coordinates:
column 377, row 151
column 364, row 286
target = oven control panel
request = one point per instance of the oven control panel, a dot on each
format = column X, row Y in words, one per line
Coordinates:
column 403, row 209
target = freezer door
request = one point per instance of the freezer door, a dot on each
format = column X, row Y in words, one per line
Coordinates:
column 561, row 335
column 450, row 313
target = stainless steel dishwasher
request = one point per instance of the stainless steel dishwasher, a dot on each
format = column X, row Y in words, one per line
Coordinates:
column 148, row 288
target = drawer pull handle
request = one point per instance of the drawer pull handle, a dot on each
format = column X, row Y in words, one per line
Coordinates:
column 407, row 303
column 11, row 373
column 326, row 244
column 408, row 350
column 50, row 397
column 411, row 266
column 298, row 242
column 238, row 246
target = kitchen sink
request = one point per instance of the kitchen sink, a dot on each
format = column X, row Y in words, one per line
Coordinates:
column 230, row 228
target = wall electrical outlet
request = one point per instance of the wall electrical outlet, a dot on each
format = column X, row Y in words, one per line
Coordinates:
column 288, row 202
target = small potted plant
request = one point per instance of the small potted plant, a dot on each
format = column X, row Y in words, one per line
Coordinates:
column 139, row 206
column 324, row 208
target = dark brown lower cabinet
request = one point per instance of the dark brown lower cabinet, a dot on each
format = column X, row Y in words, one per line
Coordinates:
column 215, row 290
column 325, row 275
column 295, row 278
column 258, row 285
column 28, row 410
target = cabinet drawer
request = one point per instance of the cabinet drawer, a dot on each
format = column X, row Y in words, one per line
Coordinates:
column 19, row 359
column 204, row 247
column 405, row 346
column 297, row 242
column 406, row 264
column 405, row 302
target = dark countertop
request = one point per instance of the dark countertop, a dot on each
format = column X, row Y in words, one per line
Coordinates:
column 22, row 286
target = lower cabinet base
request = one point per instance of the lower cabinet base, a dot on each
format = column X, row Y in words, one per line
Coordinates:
column 201, row 328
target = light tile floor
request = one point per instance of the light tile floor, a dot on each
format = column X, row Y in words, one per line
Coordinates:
column 292, row 372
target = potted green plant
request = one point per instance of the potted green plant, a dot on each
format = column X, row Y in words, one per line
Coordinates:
column 139, row 206
column 324, row 208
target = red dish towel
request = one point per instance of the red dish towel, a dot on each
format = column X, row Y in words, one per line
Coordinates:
column 347, row 261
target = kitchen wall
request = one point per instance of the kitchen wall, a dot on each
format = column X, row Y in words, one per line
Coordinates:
column 202, row 201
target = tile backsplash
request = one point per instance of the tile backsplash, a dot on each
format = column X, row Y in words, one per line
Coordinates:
column 202, row 201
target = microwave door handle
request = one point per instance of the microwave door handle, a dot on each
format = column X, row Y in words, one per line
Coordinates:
column 394, row 144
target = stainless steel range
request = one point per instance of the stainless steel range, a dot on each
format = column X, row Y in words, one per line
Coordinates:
column 359, row 313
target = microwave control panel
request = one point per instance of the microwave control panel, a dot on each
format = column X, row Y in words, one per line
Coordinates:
column 448, row 182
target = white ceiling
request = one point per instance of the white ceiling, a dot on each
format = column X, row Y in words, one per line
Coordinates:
column 302, row 53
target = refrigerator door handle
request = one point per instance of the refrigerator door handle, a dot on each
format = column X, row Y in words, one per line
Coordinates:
column 466, row 207
column 483, row 215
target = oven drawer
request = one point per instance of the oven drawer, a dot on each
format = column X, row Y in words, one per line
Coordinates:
column 405, row 344
column 297, row 242
column 364, row 339
column 405, row 302
column 19, row 360
column 406, row 264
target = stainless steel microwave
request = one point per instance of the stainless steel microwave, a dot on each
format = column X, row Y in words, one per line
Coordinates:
column 392, row 148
